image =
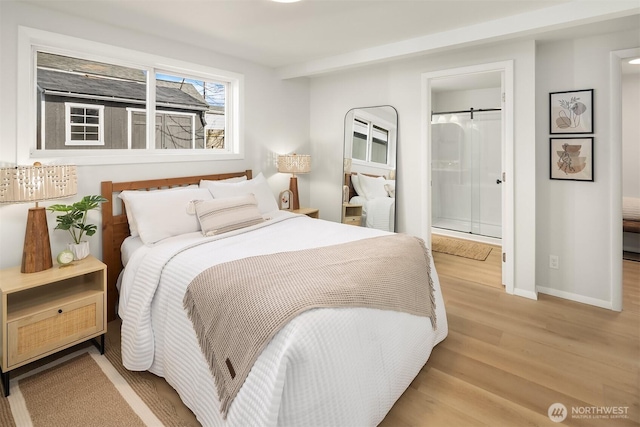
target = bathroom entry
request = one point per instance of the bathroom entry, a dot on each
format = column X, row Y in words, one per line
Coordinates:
column 466, row 155
column 487, row 86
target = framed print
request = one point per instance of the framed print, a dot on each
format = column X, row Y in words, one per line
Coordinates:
column 571, row 159
column 571, row 112
column 285, row 200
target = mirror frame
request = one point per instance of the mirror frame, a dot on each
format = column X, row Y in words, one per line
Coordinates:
column 390, row 121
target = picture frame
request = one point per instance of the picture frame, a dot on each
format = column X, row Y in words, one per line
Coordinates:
column 571, row 159
column 571, row 112
column 285, row 200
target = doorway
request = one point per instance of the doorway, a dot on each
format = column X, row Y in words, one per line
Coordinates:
column 466, row 168
column 616, row 188
column 468, row 127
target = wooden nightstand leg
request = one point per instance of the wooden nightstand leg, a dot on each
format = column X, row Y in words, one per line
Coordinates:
column 5, row 382
column 100, row 345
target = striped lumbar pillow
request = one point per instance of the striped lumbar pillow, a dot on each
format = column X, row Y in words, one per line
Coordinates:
column 219, row 216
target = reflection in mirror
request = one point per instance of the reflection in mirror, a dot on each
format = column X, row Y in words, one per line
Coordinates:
column 369, row 186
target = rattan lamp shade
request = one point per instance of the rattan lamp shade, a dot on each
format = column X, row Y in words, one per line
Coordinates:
column 293, row 164
column 22, row 184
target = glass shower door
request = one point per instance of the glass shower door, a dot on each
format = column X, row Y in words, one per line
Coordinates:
column 466, row 171
column 487, row 142
column 451, row 173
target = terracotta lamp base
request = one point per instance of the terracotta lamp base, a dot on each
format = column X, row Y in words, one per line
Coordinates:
column 293, row 187
column 36, row 254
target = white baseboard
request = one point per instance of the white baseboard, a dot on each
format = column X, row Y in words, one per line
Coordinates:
column 526, row 294
column 575, row 297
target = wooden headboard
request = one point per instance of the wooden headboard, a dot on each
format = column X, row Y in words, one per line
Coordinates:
column 115, row 226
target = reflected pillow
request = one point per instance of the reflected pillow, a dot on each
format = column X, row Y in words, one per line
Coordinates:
column 356, row 185
column 373, row 187
column 257, row 186
column 220, row 216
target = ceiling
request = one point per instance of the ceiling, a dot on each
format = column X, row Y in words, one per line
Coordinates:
column 285, row 34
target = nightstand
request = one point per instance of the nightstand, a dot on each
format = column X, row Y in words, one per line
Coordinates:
column 48, row 311
column 310, row 212
column 351, row 214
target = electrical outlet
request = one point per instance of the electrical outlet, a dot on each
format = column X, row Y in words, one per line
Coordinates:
column 554, row 262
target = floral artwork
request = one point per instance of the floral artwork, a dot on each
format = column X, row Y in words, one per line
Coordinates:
column 572, row 159
column 571, row 112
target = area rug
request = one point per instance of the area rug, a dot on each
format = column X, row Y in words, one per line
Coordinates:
column 86, row 389
column 461, row 248
column 79, row 389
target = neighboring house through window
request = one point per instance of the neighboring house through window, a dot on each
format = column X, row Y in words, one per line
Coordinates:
column 130, row 108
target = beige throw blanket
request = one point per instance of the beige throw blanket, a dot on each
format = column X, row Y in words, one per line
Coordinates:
column 238, row 306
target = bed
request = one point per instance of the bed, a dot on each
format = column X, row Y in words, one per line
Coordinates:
column 327, row 366
column 631, row 214
column 377, row 197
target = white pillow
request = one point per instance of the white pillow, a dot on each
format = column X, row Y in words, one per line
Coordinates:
column 257, row 186
column 163, row 214
column 373, row 187
column 228, row 180
column 356, row 185
column 220, row 216
column 127, row 195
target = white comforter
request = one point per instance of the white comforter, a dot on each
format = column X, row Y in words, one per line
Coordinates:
column 326, row 367
column 378, row 213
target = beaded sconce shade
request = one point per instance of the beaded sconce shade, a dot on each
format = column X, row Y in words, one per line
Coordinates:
column 22, row 184
column 293, row 164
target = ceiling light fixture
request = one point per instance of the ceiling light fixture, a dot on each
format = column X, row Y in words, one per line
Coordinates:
column 635, row 61
column 286, row 1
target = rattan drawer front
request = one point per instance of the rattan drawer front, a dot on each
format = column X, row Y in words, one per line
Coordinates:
column 51, row 329
column 352, row 220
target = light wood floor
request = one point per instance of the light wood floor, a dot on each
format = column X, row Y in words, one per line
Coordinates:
column 507, row 359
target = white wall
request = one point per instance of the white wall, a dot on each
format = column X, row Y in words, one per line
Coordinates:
column 399, row 84
column 631, row 135
column 573, row 218
column 276, row 117
column 458, row 100
column 631, row 148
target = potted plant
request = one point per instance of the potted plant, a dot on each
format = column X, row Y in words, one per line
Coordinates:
column 73, row 218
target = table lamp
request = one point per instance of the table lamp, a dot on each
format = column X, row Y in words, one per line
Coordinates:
column 22, row 184
column 293, row 164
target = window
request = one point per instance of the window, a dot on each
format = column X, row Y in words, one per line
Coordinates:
column 83, row 124
column 370, row 142
column 93, row 98
column 379, row 145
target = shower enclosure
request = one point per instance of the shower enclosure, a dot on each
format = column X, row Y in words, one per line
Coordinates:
column 466, row 171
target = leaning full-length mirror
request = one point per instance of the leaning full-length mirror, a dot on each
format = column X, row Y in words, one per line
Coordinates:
column 369, row 186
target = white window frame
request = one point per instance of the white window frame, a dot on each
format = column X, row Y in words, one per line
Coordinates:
column 372, row 120
column 31, row 40
column 67, row 119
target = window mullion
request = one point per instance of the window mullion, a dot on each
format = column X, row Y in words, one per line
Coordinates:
column 151, row 109
column 369, row 141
